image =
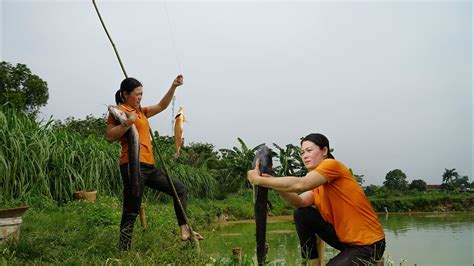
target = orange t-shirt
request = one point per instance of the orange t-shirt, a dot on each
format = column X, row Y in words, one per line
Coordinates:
column 343, row 204
column 143, row 128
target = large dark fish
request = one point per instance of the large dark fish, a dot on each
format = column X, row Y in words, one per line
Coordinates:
column 264, row 155
column 133, row 150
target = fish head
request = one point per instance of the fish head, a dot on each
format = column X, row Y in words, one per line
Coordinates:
column 264, row 155
column 117, row 114
column 180, row 115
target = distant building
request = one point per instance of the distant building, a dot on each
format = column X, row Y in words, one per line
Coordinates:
column 466, row 190
column 434, row 187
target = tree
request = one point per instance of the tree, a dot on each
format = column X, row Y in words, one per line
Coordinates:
column 24, row 90
column 197, row 154
column 395, row 180
column 358, row 178
column 449, row 178
column 418, row 185
column 449, row 175
column 461, row 182
column 88, row 126
column 371, row 190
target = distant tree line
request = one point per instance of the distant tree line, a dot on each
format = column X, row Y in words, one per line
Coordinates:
column 395, row 181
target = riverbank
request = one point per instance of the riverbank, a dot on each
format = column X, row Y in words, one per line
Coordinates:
column 87, row 233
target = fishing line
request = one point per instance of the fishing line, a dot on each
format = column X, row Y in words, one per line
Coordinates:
column 172, row 37
column 178, row 63
column 165, row 169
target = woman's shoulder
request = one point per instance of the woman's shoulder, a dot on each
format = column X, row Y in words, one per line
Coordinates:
column 333, row 164
column 330, row 162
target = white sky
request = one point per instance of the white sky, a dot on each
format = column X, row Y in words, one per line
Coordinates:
column 390, row 84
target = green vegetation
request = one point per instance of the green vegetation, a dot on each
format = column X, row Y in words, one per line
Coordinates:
column 80, row 232
column 423, row 202
column 52, row 159
column 43, row 162
column 22, row 89
column 38, row 158
column 396, row 180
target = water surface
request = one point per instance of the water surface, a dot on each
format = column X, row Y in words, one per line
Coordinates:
column 416, row 238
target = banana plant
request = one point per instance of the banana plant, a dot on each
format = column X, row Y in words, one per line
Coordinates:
column 237, row 161
column 290, row 160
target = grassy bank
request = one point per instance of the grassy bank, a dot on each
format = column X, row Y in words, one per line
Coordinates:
column 424, row 202
column 82, row 233
column 87, row 233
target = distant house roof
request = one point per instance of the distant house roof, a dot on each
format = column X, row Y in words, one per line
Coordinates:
column 433, row 187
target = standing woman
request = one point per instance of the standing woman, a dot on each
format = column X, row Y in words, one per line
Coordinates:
column 331, row 205
column 128, row 99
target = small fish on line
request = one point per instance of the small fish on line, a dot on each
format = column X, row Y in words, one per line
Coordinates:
column 179, row 131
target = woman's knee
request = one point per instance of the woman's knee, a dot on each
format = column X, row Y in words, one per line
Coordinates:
column 301, row 214
column 181, row 189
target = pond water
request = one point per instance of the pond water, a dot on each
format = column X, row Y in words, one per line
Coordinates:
column 412, row 238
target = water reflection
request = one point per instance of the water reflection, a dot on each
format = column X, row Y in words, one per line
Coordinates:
column 418, row 238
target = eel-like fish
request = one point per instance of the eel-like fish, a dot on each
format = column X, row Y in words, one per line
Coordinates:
column 178, row 131
column 133, row 149
column 264, row 155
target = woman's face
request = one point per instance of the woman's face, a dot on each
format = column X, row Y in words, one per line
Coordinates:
column 135, row 97
column 312, row 155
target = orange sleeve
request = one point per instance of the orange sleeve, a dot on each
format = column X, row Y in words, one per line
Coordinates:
column 329, row 169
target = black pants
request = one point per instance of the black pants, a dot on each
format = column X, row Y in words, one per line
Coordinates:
column 310, row 223
column 153, row 178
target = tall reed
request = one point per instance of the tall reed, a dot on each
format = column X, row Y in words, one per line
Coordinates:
column 36, row 158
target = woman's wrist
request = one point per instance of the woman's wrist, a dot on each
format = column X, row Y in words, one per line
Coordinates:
column 257, row 181
column 127, row 124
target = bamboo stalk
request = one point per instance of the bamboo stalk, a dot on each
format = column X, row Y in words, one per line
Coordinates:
column 110, row 39
column 142, row 216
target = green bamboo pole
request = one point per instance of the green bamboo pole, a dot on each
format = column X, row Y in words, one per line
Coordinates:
column 165, row 169
column 110, row 39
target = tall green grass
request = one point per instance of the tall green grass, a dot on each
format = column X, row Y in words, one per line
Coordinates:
column 35, row 159
column 39, row 159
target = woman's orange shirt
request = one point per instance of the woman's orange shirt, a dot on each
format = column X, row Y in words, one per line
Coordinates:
column 143, row 128
column 343, row 204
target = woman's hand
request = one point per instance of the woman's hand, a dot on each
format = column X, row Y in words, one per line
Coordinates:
column 253, row 175
column 132, row 116
column 178, row 81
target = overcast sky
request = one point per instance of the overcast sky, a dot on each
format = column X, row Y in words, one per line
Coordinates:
column 390, row 84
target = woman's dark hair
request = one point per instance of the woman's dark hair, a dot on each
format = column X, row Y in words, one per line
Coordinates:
column 319, row 140
column 128, row 85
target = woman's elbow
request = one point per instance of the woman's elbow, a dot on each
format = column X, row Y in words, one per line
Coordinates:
column 299, row 188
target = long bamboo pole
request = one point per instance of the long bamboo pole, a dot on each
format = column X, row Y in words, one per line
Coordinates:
column 163, row 165
column 110, row 39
